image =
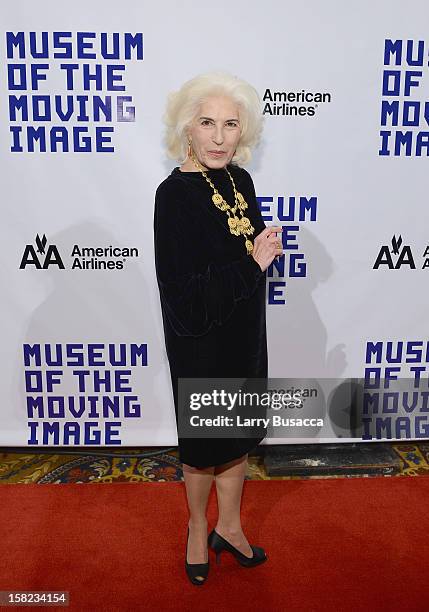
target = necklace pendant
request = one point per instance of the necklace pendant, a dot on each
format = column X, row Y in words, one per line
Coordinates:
column 249, row 246
column 241, row 201
column 245, row 222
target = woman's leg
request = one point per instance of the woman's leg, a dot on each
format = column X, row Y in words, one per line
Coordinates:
column 198, row 482
column 229, row 479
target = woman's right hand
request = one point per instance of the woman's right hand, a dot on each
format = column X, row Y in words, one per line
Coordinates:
column 267, row 245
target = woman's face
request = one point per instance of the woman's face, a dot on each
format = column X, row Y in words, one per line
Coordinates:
column 215, row 132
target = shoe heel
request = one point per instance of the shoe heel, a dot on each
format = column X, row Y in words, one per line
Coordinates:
column 218, row 544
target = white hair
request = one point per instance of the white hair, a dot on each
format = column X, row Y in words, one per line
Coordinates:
column 182, row 108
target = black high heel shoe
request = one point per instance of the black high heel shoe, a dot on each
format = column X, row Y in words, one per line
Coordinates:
column 195, row 569
column 218, row 544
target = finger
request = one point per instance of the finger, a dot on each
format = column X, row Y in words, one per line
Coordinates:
column 270, row 229
column 274, row 238
column 263, row 234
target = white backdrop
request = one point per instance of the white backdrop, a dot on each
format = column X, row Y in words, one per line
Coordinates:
column 336, row 156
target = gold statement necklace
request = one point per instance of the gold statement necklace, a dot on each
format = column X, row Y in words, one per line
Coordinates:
column 237, row 225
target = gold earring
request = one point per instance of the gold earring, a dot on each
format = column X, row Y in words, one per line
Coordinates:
column 189, row 147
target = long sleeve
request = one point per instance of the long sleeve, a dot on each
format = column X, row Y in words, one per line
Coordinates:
column 194, row 302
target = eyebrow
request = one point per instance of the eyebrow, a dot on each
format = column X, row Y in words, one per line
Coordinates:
column 211, row 119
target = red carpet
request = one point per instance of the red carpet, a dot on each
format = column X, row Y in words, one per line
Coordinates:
column 333, row 545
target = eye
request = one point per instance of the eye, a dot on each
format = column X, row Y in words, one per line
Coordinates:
column 232, row 123
column 206, row 122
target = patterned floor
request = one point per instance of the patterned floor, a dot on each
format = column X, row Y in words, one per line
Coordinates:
column 151, row 464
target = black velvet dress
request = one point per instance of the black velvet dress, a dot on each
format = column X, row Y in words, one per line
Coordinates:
column 212, row 293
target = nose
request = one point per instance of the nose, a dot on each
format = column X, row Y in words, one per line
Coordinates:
column 218, row 135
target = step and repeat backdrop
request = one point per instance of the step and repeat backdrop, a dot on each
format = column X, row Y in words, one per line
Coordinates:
column 342, row 167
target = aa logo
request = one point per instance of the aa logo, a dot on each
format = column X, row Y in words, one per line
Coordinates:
column 41, row 257
column 395, row 258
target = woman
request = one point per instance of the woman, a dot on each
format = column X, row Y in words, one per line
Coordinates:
column 211, row 253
